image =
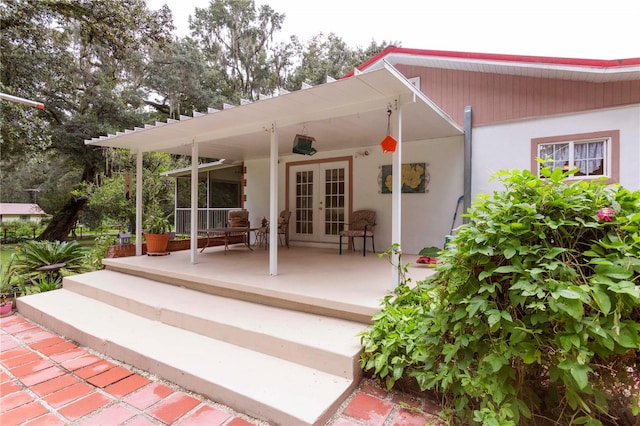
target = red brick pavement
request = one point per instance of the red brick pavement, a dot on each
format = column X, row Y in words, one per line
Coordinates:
column 48, row 380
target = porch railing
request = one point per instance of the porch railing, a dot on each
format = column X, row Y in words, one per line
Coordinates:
column 207, row 218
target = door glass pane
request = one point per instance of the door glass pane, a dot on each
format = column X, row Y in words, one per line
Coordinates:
column 334, row 201
column 304, row 202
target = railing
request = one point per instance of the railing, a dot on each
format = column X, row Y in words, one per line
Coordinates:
column 207, row 218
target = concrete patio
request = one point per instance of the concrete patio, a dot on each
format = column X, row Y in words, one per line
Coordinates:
column 318, row 280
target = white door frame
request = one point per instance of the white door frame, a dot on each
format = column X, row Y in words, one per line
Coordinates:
column 348, row 189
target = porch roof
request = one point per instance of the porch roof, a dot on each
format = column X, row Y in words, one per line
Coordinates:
column 205, row 167
column 346, row 113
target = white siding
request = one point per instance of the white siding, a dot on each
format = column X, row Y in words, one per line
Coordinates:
column 426, row 218
column 508, row 145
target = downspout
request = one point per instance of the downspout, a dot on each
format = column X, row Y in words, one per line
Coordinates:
column 139, row 203
column 194, row 202
column 467, row 162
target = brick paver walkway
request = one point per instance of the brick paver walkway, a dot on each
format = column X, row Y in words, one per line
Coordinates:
column 48, row 380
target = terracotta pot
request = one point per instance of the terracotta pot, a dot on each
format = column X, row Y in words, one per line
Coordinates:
column 157, row 243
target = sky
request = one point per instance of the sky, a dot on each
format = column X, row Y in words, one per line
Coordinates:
column 586, row 29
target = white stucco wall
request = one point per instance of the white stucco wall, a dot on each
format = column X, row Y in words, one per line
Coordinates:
column 426, row 218
column 508, row 145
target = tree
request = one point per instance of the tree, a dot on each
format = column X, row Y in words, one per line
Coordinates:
column 180, row 79
column 108, row 202
column 327, row 56
column 99, row 66
column 237, row 39
column 83, row 59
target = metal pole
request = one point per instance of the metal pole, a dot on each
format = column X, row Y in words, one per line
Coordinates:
column 23, row 101
column 396, row 198
column 139, row 203
column 467, row 161
column 194, row 202
column 273, row 203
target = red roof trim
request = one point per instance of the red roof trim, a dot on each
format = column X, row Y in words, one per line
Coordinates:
column 595, row 63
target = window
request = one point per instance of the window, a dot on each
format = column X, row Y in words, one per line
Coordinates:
column 594, row 154
column 588, row 156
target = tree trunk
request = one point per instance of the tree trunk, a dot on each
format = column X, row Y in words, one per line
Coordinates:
column 63, row 221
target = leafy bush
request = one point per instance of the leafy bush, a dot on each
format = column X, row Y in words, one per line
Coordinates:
column 534, row 315
column 99, row 251
column 20, row 229
column 7, row 282
column 13, row 240
column 33, row 255
column 157, row 224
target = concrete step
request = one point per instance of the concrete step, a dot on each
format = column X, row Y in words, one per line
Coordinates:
column 328, row 344
column 340, row 291
column 264, row 386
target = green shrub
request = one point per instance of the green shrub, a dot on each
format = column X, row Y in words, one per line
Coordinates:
column 99, row 251
column 21, row 229
column 534, row 315
column 33, row 255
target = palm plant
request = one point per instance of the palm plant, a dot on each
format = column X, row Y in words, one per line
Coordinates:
column 45, row 263
column 7, row 284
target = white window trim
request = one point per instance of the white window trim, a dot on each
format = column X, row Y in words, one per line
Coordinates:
column 572, row 143
column 612, row 160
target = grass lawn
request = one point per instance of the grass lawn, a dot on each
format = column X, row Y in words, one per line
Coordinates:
column 6, row 250
column 5, row 253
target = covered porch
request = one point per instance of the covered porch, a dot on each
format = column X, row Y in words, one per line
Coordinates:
column 344, row 118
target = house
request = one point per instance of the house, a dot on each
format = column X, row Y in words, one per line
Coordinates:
column 460, row 117
column 283, row 346
column 581, row 112
column 21, row 211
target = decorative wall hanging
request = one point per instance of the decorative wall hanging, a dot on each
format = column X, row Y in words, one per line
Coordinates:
column 389, row 143
column 415, row 178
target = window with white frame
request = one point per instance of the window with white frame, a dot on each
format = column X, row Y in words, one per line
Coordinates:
column 590, row 156
column 595, row 154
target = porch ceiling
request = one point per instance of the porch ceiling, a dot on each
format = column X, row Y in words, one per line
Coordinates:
column 346, row 113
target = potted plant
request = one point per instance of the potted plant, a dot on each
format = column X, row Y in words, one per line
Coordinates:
column 156, row 234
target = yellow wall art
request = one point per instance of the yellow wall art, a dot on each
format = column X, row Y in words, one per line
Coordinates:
column 414, row 178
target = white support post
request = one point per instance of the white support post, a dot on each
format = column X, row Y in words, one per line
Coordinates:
column 396, row 197
column 273, row 202
column 139, row 203
column 194, row 202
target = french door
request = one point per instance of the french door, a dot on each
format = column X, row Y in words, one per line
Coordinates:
column 318, row 200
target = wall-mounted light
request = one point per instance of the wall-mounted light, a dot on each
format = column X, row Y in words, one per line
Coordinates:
column 389, row 143
column 302, row 145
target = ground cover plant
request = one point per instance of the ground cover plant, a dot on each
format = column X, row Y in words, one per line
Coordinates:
column 534, row 315
column 31, row 256
column 21, row 265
